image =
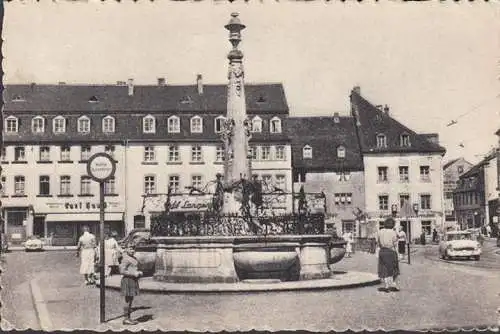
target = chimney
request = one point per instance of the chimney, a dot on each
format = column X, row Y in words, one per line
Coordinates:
column 199, row 83
column 130, row 84
column 357, row 89
column 386, row 109
column 336, row 118
column 162, row 82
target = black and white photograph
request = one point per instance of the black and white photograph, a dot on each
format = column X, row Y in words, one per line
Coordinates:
column 266, row 165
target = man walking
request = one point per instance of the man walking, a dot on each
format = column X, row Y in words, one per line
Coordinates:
column 87, row 251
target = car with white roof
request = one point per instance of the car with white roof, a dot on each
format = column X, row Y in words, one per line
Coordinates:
column 459, row 244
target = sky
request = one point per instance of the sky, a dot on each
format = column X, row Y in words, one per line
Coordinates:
column 430, row 62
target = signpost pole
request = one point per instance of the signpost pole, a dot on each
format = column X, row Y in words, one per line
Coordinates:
column 102, row 278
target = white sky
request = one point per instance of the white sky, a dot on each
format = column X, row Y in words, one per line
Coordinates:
column 429, row 62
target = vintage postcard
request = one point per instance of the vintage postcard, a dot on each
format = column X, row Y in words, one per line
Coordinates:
column 250, row 165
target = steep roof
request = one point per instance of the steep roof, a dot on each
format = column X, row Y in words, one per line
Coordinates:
column 324, row 135
column 449, row 163
column 480, row 165
column 260, row 98
column 372, row 122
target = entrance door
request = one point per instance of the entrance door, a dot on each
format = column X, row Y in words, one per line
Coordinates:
column 38, row 226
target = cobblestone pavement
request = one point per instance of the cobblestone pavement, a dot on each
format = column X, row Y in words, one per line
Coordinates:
column 433, row 295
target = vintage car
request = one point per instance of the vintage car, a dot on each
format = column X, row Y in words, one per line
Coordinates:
column 33, row 244
column 459, row 244
column 145, row 249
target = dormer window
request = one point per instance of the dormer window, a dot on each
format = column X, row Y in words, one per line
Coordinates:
column 84, row 124
column 275, row 126
column 219, row 124
column 93, row 99
column 196, row 124
column 38, row 124
column 257, row 124
column 148, row 124
column 59, row 124
column 11, row 124
column 108, row 124
column 404, row 140
column 186, row 99
column 381, row 140
column 261, row 99
column 174, row 124
column 341, row 152
column 307, row 152
column 18, row 98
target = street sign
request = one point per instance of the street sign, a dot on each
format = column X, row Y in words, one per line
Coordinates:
column 101, row 167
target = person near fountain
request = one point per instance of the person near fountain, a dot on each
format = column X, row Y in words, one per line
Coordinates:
column 348, row 246
column 401, row 242
column 86, row 250
column 388, row 263
column 130, row 281
column 111, row 253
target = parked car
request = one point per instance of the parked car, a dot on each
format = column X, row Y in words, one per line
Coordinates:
column 33, row 244
column 459, row 244
column 145, row 249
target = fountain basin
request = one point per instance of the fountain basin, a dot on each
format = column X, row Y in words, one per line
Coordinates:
column 337, row 250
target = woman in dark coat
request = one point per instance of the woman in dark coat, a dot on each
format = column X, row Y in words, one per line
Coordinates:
column 388, row 262
column 130, row 281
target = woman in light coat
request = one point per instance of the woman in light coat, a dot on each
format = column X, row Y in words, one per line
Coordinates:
column 111, row 253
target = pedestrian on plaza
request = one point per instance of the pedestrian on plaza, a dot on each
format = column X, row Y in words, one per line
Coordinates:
column 488, row 231
column 86, row 249
column 130, row 281
column 388, row 263
column 434, row 235
column 348, row 246
column 401, row 243
column 111, row 253
column 422, row 238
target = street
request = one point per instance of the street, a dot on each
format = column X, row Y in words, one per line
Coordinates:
column 434, row 294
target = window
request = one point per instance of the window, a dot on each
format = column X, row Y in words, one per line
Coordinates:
column 149, row 184
column 426, row 226
column 382, row 174
column 219, row 124
column 275, row 126
column 344, row 176
column 148, row 124
column 19, row 153
column 343, row 198
column 149, row 153
column 265, row 152
column 425, row 173
column 173, row 153
column 403, row 198
column 109, row 186
column 59, row 124
column 85, row 185
column 381, row 141
column 174, row 125
column 110, row 149
column 219, row 153
column 44, row 153
column 253, row 152
column 38, row 124
column 348, row 227
column 307, row 152
column 425, row 202
column 19, row 185
column 65, row 185
column 3, row 190
column 4, row 154
column 11, row 124
column 281, row 182
column 404, row 174
column 84, row 124
column 65, row 153
column 44, row 185
column 383, row 202
column 174, row 183
column 267, row 179
column 280, row 152
column 196, row 153
column 108, row 124
column 196, row 124
column 341, row 152
column 404, row 140
column 256, row 124
column 460, row 169
column 85, row 152
column 196, row 181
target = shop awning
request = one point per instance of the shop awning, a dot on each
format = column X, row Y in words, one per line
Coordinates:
column 81, row 217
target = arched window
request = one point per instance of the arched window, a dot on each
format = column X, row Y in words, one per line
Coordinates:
column 84, row 124
column 59, row 124
column 307, row 152
column 148, row 124
column 257, row 124
column 381, row 140
column 108, row 124
column 275, row 125
column 11, row 124
column 341, row 152
column 196, row 124
column 38, row 124
column 174, row 124
column 219, row 124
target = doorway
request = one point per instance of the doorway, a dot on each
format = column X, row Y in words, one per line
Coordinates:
column 38, row 226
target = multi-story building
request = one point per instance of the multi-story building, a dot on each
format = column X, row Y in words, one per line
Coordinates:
column 451, row 173
column 326, row 158
column 402, row 170
column 160, row 136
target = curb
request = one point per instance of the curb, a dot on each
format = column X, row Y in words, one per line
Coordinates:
column 45, row 249
column 41, row 308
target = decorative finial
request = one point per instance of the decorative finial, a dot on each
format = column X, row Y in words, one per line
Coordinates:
column 235, row 27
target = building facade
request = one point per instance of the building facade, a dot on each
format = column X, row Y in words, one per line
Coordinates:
column 160, row 136
column 451, row 173
column 402, row 171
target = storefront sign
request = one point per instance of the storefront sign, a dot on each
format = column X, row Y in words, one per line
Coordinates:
column 83, row 206
column 182, row 203
column 101, row 167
